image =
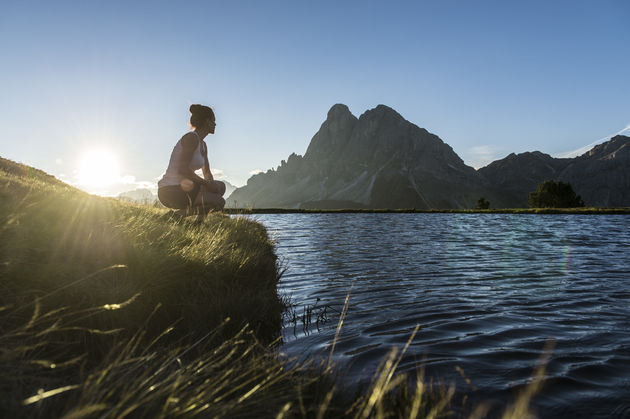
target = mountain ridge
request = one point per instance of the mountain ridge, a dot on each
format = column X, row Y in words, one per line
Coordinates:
column 381, row 160
column 367, row 162
column 601, row 176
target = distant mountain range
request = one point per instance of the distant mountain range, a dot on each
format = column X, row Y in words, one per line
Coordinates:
column 381, row 160
column 146, row 197
column 140, row 196
column 601, row 176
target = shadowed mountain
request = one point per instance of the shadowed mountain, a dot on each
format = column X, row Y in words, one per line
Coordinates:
column 514, row 176
column 601, row 176
column 379, row 160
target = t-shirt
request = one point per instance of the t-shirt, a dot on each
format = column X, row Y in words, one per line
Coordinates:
column 173, row 176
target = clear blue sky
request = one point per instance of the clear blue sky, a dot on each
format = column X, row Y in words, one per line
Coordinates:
column 488, row 77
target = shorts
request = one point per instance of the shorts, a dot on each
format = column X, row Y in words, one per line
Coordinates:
column 176, row 198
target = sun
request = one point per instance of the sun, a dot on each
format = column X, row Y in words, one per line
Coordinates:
column 98, row 168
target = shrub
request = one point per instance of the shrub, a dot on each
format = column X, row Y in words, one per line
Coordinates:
column 482, row 204
column 550, row 194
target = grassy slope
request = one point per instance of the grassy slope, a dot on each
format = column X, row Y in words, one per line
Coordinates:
column 90, row 287
column 53, row 235
column 69, row 261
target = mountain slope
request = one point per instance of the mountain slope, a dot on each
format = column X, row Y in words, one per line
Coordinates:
column 601, row 176
column 379, row 160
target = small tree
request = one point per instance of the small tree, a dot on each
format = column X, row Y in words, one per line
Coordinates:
column 482, row 203
column 550, row 194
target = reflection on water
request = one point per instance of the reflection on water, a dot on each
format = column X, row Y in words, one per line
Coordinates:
column 488, row 290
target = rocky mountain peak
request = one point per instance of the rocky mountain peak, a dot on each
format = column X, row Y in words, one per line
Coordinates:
column 333, row 134
column 381, row 112
column 379, row 160
column 610, row 148
column 338, row 111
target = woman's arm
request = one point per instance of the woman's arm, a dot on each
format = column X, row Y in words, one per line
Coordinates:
column 207, row 174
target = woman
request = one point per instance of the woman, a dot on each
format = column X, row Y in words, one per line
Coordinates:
column 181, row 188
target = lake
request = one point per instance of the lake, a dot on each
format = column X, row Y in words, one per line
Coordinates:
column 487, row 290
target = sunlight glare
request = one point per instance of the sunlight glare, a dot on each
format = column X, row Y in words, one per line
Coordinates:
column 98, row 168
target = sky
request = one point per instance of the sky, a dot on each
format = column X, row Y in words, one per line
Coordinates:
column 97, row 93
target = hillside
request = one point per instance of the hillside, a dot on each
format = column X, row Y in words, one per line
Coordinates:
column 66, row 234
column 86, row 278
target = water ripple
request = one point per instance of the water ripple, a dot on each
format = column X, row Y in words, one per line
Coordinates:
column 487, row 290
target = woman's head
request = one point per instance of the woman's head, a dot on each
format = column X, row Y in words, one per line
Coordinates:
column 199, row 115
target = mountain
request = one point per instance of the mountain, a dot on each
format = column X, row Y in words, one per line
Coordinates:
column 146, row 197
column 229, row 188
column 518, row 174
column 379, row 160
column 140, row 196
column 601, row 176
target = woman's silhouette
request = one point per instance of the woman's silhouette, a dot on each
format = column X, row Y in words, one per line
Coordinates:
column 181, row 188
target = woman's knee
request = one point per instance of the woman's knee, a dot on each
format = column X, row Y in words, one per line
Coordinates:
column 220, row 186
column 210, row 199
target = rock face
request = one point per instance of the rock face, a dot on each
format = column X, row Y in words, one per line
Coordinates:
column 518, row 174
column 379, row 160
column 601, row 176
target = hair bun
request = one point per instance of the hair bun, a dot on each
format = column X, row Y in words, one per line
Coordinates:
column 199, row 113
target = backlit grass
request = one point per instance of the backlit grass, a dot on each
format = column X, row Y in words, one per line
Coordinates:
column 66, row 247
column 110, row 309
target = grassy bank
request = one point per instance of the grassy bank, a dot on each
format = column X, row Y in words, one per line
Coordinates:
column 96, row 286
column 110, row 309
column 64, row 247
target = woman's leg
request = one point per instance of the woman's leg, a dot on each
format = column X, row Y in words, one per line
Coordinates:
column 218, row 188
column 175, row 197
column 209, row 200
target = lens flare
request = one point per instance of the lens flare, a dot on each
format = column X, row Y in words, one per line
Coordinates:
column 567, row 259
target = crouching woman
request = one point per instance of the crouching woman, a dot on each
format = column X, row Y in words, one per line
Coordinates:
column 181, row 188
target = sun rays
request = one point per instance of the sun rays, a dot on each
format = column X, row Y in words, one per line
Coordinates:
column 98, row 168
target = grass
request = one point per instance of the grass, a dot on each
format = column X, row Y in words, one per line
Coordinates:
column 110, row 309
column 63, row 246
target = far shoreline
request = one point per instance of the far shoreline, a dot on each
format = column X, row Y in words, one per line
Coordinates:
column 574, row 211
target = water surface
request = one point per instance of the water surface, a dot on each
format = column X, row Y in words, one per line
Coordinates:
column 487, row 290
